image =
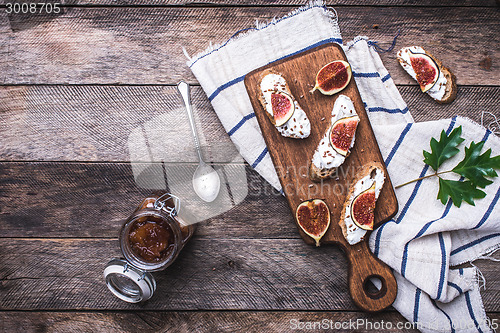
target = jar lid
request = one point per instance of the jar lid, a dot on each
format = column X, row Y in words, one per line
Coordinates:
column 129, row 283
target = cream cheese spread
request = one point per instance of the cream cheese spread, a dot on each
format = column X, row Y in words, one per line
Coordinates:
column 354, row 233
column 325, row 157
column 298, row 126
column 439, row 88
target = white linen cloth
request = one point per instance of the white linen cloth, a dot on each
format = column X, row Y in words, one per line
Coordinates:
column 425, row 238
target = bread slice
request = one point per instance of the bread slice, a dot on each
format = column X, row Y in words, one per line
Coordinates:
column 451, row 82
column 450, row 87
column 298, row 126
column 316, row 174
column 326, row 160
column 261, row 96
column 375, row 170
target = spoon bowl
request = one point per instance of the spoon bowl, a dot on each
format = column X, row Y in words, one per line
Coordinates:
column 206, row 181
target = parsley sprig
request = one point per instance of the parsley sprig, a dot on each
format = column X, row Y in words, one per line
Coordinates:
column 474, row 168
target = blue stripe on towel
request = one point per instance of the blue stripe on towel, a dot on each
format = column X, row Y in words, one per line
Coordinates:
column 398, row 143
column 240, row 123
column 417, row 304
column 224, row 86
column 417, row 185
column 449, row 319
column 381, row 109
column 419, row 234
column 451, row 284
column 410, row 200
column 413, row 195
column 373, row 74
column 324, row 41
column 489, row 210
column 486, row 135
column 475, row 242
column 241, row 78
column 387, row 161
column 378, row 237
column 387, row 77
column 495, row 198
column 471, row 312
column 443, row 265
column 261, row 156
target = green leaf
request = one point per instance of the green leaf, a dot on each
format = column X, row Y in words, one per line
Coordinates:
column 476, row 167
column 458, row 191
column 443, row 149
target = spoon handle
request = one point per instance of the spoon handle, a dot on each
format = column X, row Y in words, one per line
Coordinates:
column 183, row 88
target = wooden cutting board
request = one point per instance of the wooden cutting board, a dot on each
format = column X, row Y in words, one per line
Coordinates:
column 295, row 155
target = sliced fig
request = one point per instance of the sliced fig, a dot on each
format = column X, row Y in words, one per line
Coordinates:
column 333, row 77
column 426, row 70
column 362, row 208
column 342, row 133
column 282, row 106
column 313, row 217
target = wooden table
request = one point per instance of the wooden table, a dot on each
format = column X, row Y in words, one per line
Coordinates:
column 73, row 87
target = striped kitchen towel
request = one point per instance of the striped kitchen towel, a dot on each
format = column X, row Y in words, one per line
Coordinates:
column 426, row 238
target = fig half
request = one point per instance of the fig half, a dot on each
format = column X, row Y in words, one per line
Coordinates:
column 282, row 106
column 313, row 217
column 342, row 134
column 426, row 70
column 333, row 77
column 363, row 207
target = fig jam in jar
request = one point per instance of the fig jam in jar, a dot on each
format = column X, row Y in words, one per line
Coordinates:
column 150, row 240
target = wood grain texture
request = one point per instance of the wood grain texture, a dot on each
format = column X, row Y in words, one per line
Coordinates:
column 294, row 155
column 210, row 274
column 97, row 123
column 47, row 199
column 427, row 3
column 85, row 45
column 199, row 321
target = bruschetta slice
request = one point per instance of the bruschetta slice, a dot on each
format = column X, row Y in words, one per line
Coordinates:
column 281, row 106
column 337, row 142
column 357, row 215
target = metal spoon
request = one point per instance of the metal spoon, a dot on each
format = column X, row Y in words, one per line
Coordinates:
column 206, row 181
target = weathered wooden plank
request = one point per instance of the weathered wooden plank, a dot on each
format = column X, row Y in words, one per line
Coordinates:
column 426, row 3
column 94, row 199
column 202, row 321
column 105, row 123
column 85, row 45
column 210, row 274
column 96, row 123
column 471, row 102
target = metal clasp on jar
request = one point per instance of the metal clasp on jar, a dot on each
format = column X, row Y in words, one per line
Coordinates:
column 160, row 203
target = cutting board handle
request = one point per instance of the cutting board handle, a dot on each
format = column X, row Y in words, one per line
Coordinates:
column 363, row 266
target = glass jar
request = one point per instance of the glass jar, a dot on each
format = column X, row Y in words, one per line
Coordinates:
column 150, row 240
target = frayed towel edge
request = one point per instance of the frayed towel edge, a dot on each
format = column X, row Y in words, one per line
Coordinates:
column 329, row 11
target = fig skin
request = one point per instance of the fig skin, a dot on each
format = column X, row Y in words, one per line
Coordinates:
column 279, row 100
column 333, row 77
column 368, row 206
column 311, row 215
column 341, row 141
column 426, row 70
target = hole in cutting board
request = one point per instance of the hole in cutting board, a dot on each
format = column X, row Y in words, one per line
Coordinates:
column 371, row 286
